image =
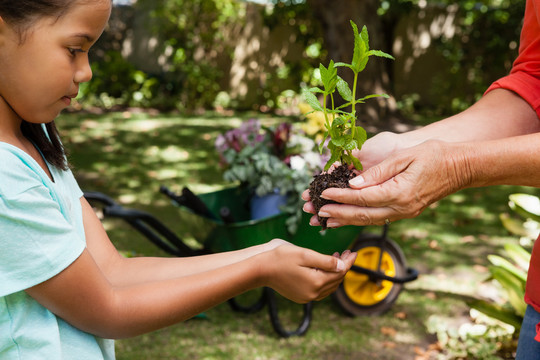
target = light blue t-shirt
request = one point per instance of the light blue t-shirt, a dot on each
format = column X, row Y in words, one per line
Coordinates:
column 41, row 233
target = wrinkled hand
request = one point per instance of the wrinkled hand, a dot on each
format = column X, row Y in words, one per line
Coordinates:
column 303, row 275
column 399, row 187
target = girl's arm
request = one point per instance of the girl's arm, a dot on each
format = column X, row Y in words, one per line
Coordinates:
column 83, row 295
column 113, row 297
column 127, row 271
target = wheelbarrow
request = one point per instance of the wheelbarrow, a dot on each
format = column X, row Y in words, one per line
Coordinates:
column 221, row 221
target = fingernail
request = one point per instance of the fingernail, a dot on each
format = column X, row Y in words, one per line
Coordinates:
column 324, row 214
column 332, row 224
column 340, row 265
column 357, row 181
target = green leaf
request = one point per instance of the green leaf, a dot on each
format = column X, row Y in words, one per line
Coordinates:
column 497, row 312
column 329, row 77
column 518, row 254
column 360, row 136
column 316, row 90
column 380, row 53
column 357, row 164
column 321, row 145
column 338, row 141
column 338, row 122
column 514, row 226
column 336, row 129
column 360, row 57
column 350, row 145
column 526, row 205
column 338, row 109
column 344, row 89
column 333, row 158
column 365, row 36
column 501, row 262
column 312, row 100
column 374, row 96
column 342, row 64
column 513, row 288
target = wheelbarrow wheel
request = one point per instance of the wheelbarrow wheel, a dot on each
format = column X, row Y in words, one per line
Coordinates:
column 359, row 294
column 249, row 303
column 276, row 323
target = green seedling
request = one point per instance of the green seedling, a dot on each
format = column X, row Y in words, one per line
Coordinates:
column 340, row 125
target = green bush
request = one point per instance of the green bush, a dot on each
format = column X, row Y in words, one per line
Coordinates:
column 117, row 82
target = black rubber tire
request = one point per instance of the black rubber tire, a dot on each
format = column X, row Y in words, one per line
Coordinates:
column 304, row 324
column 237, row 304
column 351, row 307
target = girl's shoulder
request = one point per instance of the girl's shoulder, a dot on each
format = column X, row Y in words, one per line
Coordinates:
column 19, row 171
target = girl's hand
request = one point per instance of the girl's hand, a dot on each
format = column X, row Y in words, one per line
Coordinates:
column 303, row 275
column 401, row 186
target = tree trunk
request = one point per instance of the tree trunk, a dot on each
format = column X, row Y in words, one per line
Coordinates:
column 334, row 17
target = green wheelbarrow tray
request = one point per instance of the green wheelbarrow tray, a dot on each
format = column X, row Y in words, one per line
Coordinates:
column 219, row 235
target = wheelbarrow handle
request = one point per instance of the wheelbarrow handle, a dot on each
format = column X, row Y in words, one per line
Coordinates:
column 412, row 274
column 146, row 224
column 189, row 200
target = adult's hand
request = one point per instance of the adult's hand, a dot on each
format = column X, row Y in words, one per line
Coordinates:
column 399, row 187
column 379, row 147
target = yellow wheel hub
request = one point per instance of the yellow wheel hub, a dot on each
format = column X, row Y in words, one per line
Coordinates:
column 359, row 288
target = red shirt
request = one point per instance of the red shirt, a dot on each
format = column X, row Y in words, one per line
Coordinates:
column 524, row 79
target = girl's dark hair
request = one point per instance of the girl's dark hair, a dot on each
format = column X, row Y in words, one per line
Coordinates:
column 21, row 15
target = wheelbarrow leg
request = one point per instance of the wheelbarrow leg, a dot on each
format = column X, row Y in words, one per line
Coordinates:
column 274, row 317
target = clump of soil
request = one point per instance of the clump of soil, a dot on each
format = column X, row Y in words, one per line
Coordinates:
column 338, row 178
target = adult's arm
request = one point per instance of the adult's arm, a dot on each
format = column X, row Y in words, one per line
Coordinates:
column 500, row 113
column 484, row 145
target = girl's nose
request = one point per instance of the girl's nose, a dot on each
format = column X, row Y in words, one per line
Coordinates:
column 83, row 72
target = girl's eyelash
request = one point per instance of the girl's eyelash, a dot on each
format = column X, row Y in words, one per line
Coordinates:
column 73, row 51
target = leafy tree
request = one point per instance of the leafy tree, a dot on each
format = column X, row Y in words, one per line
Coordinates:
column 194, row 34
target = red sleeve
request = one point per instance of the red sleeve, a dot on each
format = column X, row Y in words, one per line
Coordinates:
column 524, row 78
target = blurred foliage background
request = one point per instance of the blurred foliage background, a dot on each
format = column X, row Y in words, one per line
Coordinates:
column 238, row 55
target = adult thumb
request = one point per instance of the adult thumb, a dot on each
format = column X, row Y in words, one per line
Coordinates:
column 375, row 175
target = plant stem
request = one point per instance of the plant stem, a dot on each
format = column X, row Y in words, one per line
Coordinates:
column 325, row 112
column 353, row 105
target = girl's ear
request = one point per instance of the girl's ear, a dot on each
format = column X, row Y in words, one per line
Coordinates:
column 3, row 28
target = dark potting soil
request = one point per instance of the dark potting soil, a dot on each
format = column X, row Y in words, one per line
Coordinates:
column 338, row 178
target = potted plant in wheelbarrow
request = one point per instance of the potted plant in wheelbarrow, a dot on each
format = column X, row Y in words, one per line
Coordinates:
column 380, row 268
column 275, row 163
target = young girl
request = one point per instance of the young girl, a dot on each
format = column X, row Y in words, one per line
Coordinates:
column 63, row 286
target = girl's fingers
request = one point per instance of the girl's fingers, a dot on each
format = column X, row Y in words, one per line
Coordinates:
column 323, row 262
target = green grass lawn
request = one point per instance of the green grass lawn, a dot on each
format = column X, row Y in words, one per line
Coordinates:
column 128, row 156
